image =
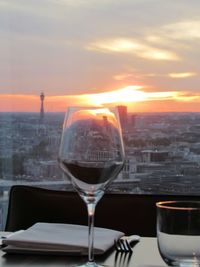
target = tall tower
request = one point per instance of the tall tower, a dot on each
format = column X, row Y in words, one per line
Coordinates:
column 123, row 116
column 42, row 96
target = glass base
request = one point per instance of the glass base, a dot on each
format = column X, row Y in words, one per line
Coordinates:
column 186, row 262
column 93, row 264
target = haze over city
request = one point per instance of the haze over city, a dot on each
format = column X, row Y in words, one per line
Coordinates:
column 141, row 53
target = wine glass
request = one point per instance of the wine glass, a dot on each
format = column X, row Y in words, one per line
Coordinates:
column 92, row 155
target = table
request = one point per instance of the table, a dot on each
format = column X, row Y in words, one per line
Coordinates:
column 145, row 254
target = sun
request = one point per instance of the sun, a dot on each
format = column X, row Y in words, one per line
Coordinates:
column 123, row 95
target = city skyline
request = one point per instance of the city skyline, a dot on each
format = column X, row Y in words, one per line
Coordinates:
column 167, row 160
column 142, row 54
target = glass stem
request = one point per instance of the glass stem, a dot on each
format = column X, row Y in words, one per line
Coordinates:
column 91, row 212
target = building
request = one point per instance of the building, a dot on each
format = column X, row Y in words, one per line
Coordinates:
column 123, row 116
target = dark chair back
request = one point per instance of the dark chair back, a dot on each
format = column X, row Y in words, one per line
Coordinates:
column 28, row 205
column 132, row 214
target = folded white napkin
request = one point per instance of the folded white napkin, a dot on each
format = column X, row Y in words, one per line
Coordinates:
column 60, row 238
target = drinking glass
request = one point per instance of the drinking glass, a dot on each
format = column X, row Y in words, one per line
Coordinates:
column 178, row 232
column 92, row 155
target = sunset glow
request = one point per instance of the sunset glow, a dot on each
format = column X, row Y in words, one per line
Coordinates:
column 135, row 94
column 134, row 97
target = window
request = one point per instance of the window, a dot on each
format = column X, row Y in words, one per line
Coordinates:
column 139, row 55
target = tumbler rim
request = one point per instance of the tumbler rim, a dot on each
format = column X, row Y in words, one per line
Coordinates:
column 186, row 205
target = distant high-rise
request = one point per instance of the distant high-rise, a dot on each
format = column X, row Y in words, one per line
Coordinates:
column 123, row 116
column 133, row 120
column 42, row 96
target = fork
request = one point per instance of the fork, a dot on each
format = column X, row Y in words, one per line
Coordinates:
column 124, row 243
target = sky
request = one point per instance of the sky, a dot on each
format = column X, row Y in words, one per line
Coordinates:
column 141, row 53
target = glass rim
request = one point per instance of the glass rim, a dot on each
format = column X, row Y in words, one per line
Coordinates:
column 91, row 107
column 186, row 204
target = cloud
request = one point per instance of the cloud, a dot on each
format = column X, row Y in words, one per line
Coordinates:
column 79, row 3
column 45, row 9
column 175, row 75
column 180, row 75
column 134, row 93
column 134, row 47
column 122, row 76
column 26, row 7
column 187, row 97
column 184, row 30
column 178, row 35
